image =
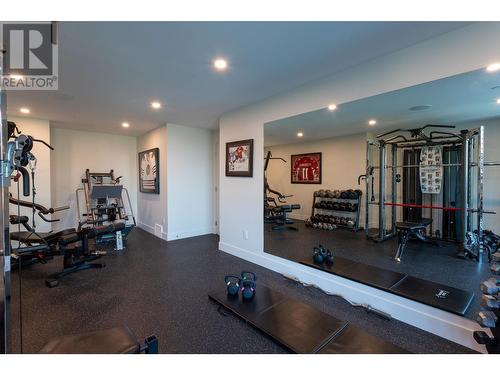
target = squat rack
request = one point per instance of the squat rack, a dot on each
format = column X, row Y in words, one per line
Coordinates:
column 472, row 156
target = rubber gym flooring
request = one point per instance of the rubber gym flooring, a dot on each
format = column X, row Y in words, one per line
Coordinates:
column 158, row 287
column 438, row 264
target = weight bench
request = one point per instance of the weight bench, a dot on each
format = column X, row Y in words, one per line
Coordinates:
column 410, row 229
column 118, row 340
column 280, row 217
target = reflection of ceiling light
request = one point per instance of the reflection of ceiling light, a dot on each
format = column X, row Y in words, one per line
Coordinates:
column 125, row 124
column 493, row 67
column 498, row 101
column 332, row 107
column 420, row 107
column 156, row 105
column 372, row 122
column 220, row 64
column 300, row 134
column 24, row 110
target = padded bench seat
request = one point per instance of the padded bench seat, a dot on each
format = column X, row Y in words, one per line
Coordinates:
column 407, row 229
column 40, row 237
column 118, row 340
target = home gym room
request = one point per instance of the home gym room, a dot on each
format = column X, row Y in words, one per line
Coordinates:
column 224, row 196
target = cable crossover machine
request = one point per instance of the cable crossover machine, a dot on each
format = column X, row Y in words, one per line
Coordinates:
column 469, row 164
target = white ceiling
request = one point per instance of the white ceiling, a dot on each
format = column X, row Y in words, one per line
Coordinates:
column 110, row 71
column 466, row 97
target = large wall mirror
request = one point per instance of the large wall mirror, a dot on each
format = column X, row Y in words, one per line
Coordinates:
column 401, row 187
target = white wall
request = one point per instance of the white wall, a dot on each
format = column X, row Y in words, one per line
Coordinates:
column 152, row 208
column 39, row 129
column 75, row 151
column 453, row 53
column 190, row 182
column 343, row 160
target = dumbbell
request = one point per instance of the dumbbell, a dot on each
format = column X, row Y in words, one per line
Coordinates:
column 316, row 193
column 336, row 193
column 351, row 194
column 350, row 223
column 486, row 319
column 342, row 206
column 354, row 207
column 490, row 286
column 489, row 302
column 322, row 193
column 330, row 194
column 344, row 195
column 359, row 193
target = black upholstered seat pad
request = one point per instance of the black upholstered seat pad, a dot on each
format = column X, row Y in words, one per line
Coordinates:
column 363, row 273
column 438, row 295
column 300, row 327
column 353, row 340
column 248, row 309
column 38, row 237
column 118, row 340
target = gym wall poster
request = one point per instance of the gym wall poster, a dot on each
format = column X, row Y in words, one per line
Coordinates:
column 149, row 171
column 239, row 158
column 306, row 168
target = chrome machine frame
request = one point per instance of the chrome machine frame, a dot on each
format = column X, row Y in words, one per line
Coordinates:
column 472, row 142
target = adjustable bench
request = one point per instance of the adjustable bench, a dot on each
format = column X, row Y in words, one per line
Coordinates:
column 408, row 229
column 280, row 216
column 118, row 340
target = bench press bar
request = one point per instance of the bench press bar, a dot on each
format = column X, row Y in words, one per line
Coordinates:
column 434, row 207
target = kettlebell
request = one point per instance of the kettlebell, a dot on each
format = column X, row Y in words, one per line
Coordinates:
column 232, row 284
column 248, row 284
column 319, row 254
column 329, row 257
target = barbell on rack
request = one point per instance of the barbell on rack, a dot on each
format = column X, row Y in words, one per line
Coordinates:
column 412, row 205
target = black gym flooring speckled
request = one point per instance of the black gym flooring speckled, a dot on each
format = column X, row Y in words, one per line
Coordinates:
column 428, row 262
column 161, row 288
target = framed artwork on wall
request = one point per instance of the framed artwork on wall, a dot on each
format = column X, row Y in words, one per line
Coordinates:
column 239, row 158
column 306, row 168
column 149, row 171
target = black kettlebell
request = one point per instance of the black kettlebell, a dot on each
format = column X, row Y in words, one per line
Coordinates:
column 319, row 254
column 248, row 284
column 232, row 284
column 329, row 259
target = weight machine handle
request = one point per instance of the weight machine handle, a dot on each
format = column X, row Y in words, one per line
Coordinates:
column 26, row 180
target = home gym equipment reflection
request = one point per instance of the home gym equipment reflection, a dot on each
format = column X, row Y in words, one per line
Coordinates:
column 430, row 183
column 274, row 213
column 469, row 191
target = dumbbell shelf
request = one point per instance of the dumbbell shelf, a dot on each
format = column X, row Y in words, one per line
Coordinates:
column 348, row 214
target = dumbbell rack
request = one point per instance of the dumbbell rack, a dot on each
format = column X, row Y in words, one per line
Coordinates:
column 492, row 343
column 348, row 214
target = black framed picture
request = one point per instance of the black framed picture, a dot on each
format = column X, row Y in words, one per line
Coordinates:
column 239, row 158
column 149, row 171
column 306, row 168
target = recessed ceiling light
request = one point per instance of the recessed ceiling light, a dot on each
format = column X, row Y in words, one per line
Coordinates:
column 493, row 67
column 24, row 110
column 420, row 107
column 498, row 101
column 332, row 107
column 372, row 122
column 155, row 105
column 300, row 134
column 125, row 124
column 220, row 64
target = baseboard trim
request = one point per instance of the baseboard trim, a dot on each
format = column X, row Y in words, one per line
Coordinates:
column 192, row 233
column 150, row 229
column 441, row 323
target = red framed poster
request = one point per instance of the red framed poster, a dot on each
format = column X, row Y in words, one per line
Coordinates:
column 306, row 168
